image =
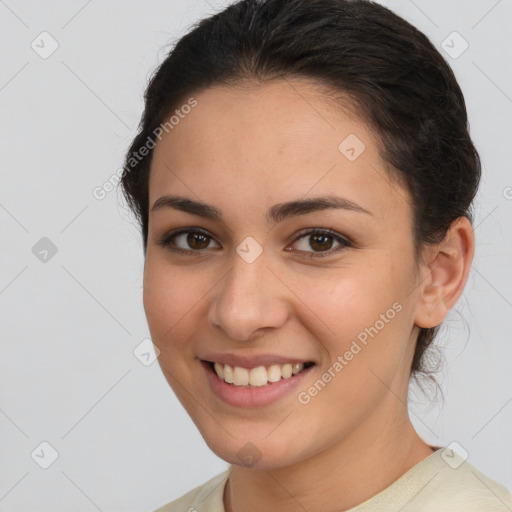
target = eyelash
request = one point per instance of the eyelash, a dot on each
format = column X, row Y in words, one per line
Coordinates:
column 167, row 242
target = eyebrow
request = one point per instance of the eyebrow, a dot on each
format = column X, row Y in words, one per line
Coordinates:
column 275, row 214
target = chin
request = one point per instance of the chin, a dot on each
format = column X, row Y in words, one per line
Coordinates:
column 257, row 453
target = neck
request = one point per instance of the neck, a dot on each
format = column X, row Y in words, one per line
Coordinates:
column 345, row 474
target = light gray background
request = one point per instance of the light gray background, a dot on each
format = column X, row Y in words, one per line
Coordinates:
column 68, row 374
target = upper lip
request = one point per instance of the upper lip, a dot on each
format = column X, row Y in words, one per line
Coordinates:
column 251, row 361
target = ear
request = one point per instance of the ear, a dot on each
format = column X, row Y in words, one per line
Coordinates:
column 445, row 276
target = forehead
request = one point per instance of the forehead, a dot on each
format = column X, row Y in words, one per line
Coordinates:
column 271, row 143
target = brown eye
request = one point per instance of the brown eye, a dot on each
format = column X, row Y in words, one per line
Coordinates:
column 321, row 241
column 186, row 241
column 197, row 240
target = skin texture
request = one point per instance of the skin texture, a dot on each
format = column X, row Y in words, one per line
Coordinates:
column 243, row 151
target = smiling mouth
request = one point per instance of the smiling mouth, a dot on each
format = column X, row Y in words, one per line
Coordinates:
column 256, row 377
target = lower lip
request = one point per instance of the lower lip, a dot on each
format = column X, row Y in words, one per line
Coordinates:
column 240, row 396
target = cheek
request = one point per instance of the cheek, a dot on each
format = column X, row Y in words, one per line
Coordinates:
column 170, row 298
column 362, row 315
column 366, row 345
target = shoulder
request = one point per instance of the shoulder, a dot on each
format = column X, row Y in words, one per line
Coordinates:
column 443, row 481
column 206, row 497
column 457, row 483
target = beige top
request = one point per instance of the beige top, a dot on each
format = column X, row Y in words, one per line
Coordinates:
column 441, row 482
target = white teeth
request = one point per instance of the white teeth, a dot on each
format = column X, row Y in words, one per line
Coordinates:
column 241, row 376
column 274, row 373
column 219, row 370
column 296, row 368
column 228, row 374
column 259, row 376
column 286, row 371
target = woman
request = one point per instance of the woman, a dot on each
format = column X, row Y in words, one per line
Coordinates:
column 303, row 177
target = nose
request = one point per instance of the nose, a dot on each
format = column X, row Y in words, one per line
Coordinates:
column 249, row 301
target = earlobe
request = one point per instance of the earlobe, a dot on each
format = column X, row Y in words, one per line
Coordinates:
column 446, row 274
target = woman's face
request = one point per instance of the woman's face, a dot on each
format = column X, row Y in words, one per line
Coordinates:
column 255, row 284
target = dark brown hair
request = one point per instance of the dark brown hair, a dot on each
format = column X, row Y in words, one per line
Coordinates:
column 398, row 83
